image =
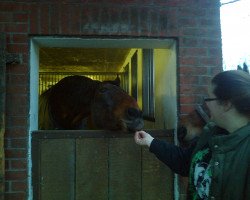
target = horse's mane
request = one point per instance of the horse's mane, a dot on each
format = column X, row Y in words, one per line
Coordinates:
column 69, row 101
column 76, row 92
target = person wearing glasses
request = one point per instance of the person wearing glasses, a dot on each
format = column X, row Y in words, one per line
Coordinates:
column 218, row 166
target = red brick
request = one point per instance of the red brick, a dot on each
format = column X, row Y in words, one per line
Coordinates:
column 17, row 79
column 24, row 60
column 20, row 17
column 18, row 164
column 17, row 48
column 189, row 79
column 7, row 186
column 210, row 61
column 16, row 196
column 15, row 175
column 18, row 143
column 185, row 109
column 188, row 42
column 17, row 28
column 214, row 52
column 124, row 2
column 192, row 12
column 20, row 38
column 10, row 6
column 16, row 132
column 34, row 23
column 54, row 19
column 75, row 19
column 17, row 89
column 188, row 99
column 134, row 20
column 17, row 68
column 145, row 20
column 18, row 186
column 186, row 71
column 64, row 19
column 193, row 51
column 194, row 61
column 15, row 153
column 17, row 110
column 124, row 20
column 205, row 80
column 17, row 121
column 215, row 70
column 210, row 42
column 190, row 22
column 18, row 99
column 44, row 19
column 191, row 89
column 6, row 17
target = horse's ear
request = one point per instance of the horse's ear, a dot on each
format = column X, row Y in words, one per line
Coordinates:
column 245, row 67
column 117, row 81
column 239, row 67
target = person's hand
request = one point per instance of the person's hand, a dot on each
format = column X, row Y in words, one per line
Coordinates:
column 143, row 138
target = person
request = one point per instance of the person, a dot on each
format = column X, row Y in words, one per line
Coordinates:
column 218, row 165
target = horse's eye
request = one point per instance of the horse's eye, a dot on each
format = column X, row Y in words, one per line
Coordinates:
column 103, row 89
column 182, row 130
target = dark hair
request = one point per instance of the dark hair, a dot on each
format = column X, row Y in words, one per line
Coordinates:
column 233, row 86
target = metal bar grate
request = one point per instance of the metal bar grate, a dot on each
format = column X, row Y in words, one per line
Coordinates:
column 48, row 79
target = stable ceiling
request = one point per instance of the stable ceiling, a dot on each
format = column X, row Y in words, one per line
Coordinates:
column 82, row 59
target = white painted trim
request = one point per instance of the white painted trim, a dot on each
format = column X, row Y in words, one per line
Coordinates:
column 64, row 42
column 102, row 43
column 33, row 113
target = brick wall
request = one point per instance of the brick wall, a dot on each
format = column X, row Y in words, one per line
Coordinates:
column 195, row 24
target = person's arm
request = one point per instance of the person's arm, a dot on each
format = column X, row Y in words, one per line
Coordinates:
column 176, row 158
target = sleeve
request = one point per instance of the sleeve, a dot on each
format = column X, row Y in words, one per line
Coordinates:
column 176, row 158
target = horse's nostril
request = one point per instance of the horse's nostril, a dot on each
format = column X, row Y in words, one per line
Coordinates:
column 133, row 112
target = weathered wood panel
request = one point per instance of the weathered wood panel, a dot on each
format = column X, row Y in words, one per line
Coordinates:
column 157, row 178
column 97, row 165
column 57, row 175
column 2, row 110
column 124, row 169
column 92, row 169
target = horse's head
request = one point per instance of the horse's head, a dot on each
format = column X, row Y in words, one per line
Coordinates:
column 78, row 102
column 191, row 126
column 114, row 109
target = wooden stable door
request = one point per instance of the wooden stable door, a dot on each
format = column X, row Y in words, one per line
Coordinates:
column 96, row 165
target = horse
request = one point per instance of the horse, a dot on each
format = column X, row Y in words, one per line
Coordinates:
column 78, row 102
column 192, row 125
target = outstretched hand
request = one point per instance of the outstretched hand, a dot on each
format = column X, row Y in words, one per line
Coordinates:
column 143, row 138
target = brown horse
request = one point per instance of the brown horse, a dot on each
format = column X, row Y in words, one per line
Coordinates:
column 191, row 126
column 78, row 102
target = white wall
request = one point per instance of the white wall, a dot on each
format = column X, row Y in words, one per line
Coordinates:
column 165, row 89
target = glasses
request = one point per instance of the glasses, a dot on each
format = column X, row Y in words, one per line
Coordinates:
column 205, row 99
